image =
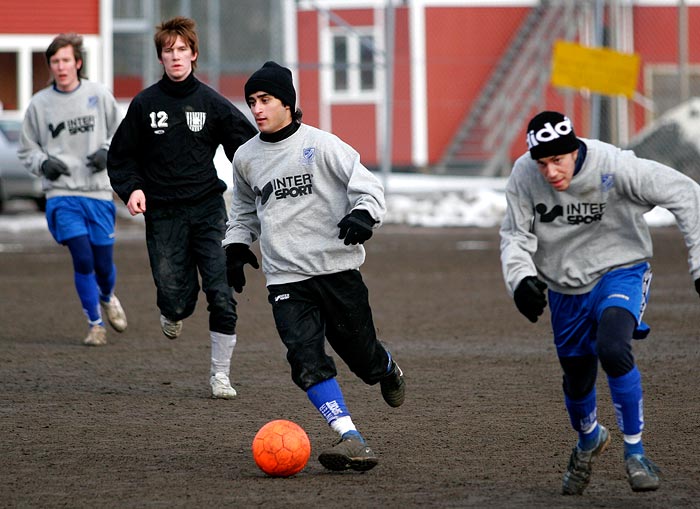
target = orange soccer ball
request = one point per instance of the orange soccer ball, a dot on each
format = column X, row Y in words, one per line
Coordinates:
column 281, row 448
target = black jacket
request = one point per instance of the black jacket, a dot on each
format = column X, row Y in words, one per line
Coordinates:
column 166, row 143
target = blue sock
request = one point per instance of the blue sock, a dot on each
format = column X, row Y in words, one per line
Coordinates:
column 106, row 283
column 86, row 285
column 105, row 270
column 328, row 399
column 631, row 449
column 583, row 414
column 626, row 395
column 353, row 434
column 587, row 441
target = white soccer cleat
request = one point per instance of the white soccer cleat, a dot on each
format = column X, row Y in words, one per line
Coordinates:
column 221, row 387
column 171, row 329
column 115, row 313
column 97, row 336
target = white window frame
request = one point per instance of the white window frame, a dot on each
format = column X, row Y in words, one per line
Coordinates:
column 354, row 93
column 24, row 45
column 671, row 69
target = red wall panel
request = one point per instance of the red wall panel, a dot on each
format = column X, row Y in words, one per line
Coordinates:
column 354, row 17
column 231, row 86
column 463, row 45
column 49, row 16
column 308, row 91
column 356, row 125
column 402, row 127
column 653, row 43
column 652, row 26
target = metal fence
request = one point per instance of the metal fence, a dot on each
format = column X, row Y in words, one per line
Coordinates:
column 669, row 77
column 237, row 35
column 234, row 36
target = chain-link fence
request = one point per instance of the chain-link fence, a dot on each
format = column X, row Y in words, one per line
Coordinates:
column 503, row 60
column 235, row 37
column 669, row 76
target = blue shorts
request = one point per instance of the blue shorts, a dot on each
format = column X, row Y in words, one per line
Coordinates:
column 72, row 216
column 575, row 317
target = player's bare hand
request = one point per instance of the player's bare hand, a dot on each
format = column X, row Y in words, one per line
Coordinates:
column 137, row 203
column 530, row 297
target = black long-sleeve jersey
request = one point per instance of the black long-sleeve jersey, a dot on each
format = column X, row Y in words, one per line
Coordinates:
column 166, row 143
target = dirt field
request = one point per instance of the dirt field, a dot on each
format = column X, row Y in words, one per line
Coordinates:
column 484, row 425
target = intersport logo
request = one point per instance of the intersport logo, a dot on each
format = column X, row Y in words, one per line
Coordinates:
column 575, row 213
column 84, row 124
column 292, row 186
column 549, row 132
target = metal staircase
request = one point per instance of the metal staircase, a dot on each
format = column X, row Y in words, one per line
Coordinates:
column 482, row 144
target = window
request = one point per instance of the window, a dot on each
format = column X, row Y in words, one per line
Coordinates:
column 353, row 55
column 663, row 86
column 340, row 63
column 367, row 63
column 8, row 84
column 234, row 39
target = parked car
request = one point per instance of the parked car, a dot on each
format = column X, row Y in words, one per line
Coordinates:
column 15, row 180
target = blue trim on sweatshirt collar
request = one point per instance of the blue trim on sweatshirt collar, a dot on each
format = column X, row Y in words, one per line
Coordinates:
column 53, row 84
column 581, row 157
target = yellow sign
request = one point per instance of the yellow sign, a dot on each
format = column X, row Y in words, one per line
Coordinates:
column 600, row 70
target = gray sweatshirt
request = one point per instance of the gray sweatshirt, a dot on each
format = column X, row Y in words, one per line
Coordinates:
column 291, row 195
column 70, row 126
column 572, row 238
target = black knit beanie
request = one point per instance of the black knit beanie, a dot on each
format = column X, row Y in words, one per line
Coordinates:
column 550, row 133
column 276, row 81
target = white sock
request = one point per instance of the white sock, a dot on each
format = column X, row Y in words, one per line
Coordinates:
column 221, row 351
column 632, row 439
column 342, row 425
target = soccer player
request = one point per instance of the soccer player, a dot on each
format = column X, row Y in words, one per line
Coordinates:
column 304, row 193
column 574, row 232
column 66, row 132
column 161, row 165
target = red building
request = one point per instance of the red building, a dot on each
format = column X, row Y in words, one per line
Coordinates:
column 468, row 74
column 465, row 75
column 26, row 29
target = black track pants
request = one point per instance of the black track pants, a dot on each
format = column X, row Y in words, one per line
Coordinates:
column 183, row 240
column 334, row 307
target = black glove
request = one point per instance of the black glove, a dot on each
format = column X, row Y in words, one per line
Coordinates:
column 356, row 227
column 697, row 285
column 53, row 168
column 237, row 255
column 97, row 160
column 530, row 297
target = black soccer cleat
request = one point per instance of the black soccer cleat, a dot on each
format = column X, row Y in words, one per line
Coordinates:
column 642, row 473
column 578, row 471
column 349, row 454
column 393, row 386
